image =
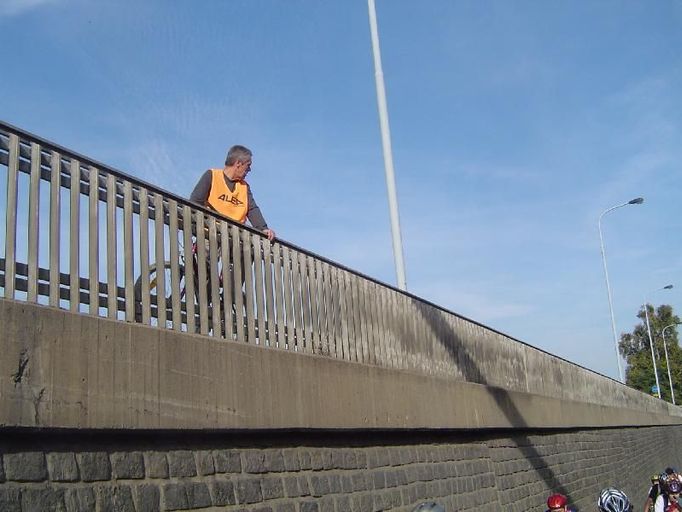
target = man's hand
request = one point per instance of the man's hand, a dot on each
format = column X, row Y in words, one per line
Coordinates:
column 269, row 233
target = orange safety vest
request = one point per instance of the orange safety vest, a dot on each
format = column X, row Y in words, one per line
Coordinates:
column 232, row 204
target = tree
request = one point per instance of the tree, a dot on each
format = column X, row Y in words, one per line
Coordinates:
column 635, row 348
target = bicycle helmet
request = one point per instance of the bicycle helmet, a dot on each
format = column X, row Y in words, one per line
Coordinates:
column 557, row 501
column 429, row 506
column 613, row 500
column 673, row 486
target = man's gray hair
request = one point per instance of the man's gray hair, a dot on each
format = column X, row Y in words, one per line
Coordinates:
column 238, row 154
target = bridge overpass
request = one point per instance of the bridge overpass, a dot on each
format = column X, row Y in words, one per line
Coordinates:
column 157, row 357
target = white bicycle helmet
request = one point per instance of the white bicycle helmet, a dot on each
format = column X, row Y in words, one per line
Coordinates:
column 613, row 500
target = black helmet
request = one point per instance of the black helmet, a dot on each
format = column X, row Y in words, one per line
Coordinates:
column 673, row 486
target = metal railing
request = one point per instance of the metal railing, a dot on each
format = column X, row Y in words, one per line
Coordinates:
column 82, row 236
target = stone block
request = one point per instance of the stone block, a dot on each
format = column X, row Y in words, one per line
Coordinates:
column 308, row 506
column 222, row 492
column 181, row 464
column 291, row 462
column 127, row 465
column 2, row 470
column 343, row 504
column 62, row 467
column 43, row 499
column 147, row 498
column 285, row 507
column 94, row 466
column 227, row 461
column 362, row 503
column 272, row 488
column 80, row 499
column 291, row 488
column 156, row 465
column 319, row 485
column 114, row 498
column 198, row 495
column 25, row 467
column 175, row 496
column 205, row 465
column 248, row 490
column 335, row 483
column 10, row 499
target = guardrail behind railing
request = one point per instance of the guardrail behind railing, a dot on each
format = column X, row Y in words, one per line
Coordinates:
column 82, row 236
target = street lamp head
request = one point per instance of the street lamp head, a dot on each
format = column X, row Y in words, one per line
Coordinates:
column 637, row 200
column 668, row 287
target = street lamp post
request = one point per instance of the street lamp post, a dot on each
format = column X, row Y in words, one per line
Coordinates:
column 651, row 340
column 637, row 200
column 388, row 152
column 667, row 361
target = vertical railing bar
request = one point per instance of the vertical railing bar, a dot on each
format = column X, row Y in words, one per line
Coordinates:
column 392, row 312
column 354, row 317
column 160, row 274
column 305, row 301
column 363, row 309
column 330, row 314
column 279, row 294
column 175, row 290
column 370, row 306
column 74, row 212
column 288, row 291
column 345, row 315
column 269, row 298
column 259, row 287
column 237, row 264
column 214, row 278
column 129, row 269
column 11, row 217
column 190, row 278
column 317, row 306
column 33, row 223
column 144, row 257
column 381, row 327
column 93, row 240
column 55, row 213
column 112, row 248
column 228, row 280
column 202, row 280
column 298, row 313
column 248, row 285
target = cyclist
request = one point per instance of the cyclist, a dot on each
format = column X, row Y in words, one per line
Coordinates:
column 670, row 495
column 654, row 491
column 225, row 191
column 613, row 500
column 558, row 503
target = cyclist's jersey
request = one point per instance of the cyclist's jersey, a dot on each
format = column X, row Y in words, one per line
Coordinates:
column 233, row 204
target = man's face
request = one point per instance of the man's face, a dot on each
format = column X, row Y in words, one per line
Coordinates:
column 242, row 169
column 674, row 496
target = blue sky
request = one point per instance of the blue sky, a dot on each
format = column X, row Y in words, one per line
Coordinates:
column 514, row 125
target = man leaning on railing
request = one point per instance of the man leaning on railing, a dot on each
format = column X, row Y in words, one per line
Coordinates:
column 225, row 191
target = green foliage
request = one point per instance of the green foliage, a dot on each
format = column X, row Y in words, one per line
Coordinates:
column 635, row 348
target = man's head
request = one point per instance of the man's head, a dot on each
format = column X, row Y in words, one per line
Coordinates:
column 238, row 162
column 557, row 502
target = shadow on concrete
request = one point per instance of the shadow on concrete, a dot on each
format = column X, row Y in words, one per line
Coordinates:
column 456, row 350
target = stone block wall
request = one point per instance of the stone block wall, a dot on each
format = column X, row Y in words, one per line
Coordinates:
column 327, row 471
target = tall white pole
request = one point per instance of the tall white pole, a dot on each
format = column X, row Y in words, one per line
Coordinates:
column 651, row 343
column 667, row 362
column 637, row 200
column 388, row 154
column 608, row 291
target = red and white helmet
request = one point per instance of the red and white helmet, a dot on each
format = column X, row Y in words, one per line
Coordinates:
column 557, row 501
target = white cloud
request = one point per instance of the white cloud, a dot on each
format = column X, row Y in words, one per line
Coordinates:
column 16, row 7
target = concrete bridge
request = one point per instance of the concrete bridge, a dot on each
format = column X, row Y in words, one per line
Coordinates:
column 156, row 357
